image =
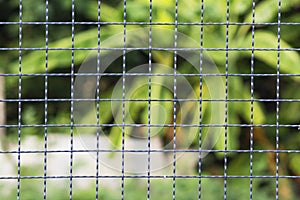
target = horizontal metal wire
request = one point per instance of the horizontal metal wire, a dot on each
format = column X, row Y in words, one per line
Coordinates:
column 143, row 49
column 151, row 23
column 147, row 100
column 151, row 150
column 147, row 74
column 151, row 125
column 143, row 176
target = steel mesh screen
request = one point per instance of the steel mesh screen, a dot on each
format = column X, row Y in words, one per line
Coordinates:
column 149, row 99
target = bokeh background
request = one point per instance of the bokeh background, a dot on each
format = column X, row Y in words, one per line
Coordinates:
column 214, row 36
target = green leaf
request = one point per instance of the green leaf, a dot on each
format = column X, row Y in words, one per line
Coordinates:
column 108, row 13
column 115, row 136
column 287, row 5
column 267, row 11
column 264, row 11
column 294, row 163
column 258, row 113
column 34, row 62
column 239, row 7
column 289, row 60
column 138, row 11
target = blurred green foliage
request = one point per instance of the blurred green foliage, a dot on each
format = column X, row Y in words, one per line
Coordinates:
column 240, row 36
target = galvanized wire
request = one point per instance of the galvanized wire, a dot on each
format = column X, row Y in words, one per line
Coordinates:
column 226, row 98
column 46, row 99
column 175, row 100
column 278, row 103
column 97, row 102
column 20, row 97
column 72, row 77
column 252, row 102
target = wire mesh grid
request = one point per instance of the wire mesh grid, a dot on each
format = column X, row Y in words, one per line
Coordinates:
column 150, row 99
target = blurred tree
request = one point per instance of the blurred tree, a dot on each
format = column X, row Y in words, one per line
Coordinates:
column 240, row 36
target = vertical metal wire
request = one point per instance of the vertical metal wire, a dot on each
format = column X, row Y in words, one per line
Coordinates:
column 175, row 100
column 72, row 99
column 19, row 98
column 226, row 99
column 149, row 101
column 278, row 98
column 98, row 99
column 123, row 98
column 46, row 101
column 200, row 100
column 252, row 100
